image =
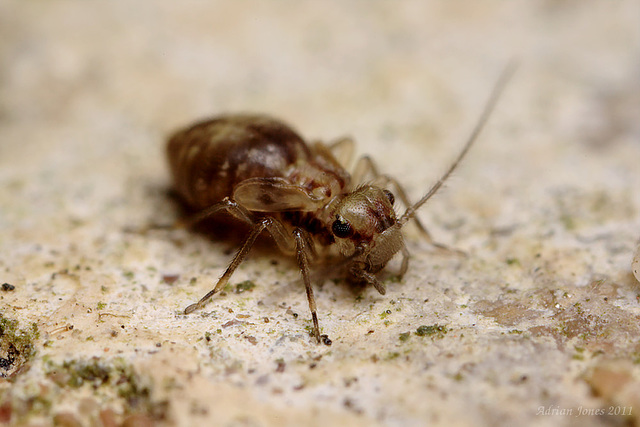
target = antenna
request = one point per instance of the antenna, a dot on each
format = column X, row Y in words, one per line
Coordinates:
column 484, row 117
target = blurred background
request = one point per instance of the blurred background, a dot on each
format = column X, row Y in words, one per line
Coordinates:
column 542, row 313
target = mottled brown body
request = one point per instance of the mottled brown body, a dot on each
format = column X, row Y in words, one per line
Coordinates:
column 261, row 172
column 210, row 158
column 260, row 163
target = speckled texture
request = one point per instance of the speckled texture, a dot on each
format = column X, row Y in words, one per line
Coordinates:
column 538, row 324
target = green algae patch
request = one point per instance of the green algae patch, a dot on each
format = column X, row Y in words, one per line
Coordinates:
column 435, row 331
column 17, row 346
column 245, row 286
column 116, row 375
column 404, row 336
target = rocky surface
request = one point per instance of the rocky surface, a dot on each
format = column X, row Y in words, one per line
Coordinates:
column 538, row 324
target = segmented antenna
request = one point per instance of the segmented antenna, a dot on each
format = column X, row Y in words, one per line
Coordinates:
column 486, row 113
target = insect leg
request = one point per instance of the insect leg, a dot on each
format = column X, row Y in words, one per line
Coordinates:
column 405, row 261
column 275, row 229
column 302, row 251
column 342, row 149
column 237, row 260
column 225, row 205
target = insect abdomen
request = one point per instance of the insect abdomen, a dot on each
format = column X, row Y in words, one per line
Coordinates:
column 210, row 158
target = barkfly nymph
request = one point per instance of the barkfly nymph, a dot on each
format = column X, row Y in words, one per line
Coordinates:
column 261, row 172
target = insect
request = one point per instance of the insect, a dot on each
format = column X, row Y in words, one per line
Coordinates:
column 261, row 172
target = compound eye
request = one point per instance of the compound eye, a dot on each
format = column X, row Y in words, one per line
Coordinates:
column 341, row 228
column 390, row 196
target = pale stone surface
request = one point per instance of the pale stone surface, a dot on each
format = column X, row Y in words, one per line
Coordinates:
column 538, row 323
